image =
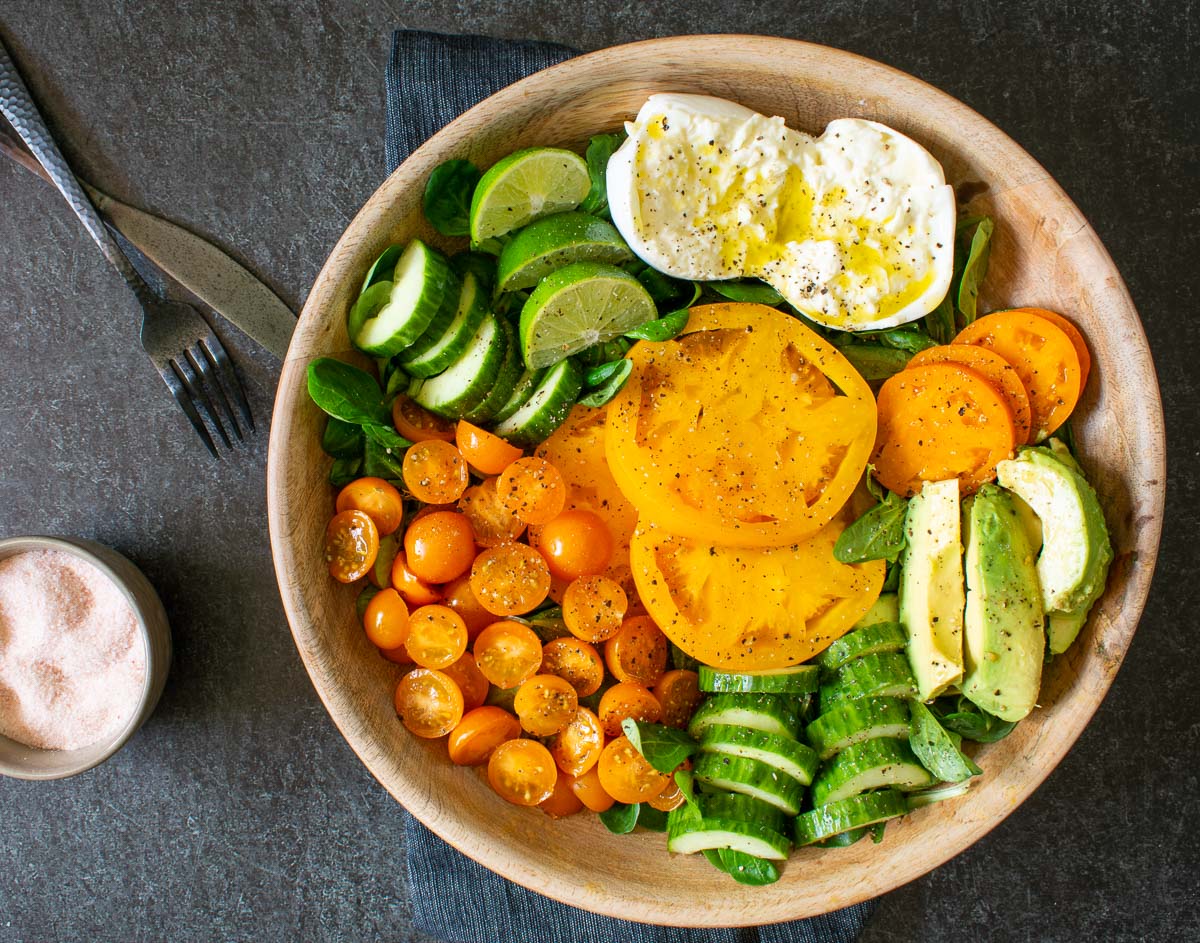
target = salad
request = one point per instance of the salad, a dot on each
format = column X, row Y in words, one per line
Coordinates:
column 697, row 492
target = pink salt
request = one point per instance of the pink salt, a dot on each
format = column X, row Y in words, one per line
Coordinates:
column 72, row 661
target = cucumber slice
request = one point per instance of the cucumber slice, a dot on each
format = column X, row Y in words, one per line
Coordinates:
column 735, row 807
column 887, row 674
column 798, row 679
column 689, row 832
column 769, row 713
column 466, row 382
column 940, row 793
column 750, row 778
column 848, row 814
column 882, row 637
column 869, row 765
column 421, row 284
column 372, row 300
column 546, row 409
column 785, row 754
column 526, row 384
column 856, row 721
column 505, row 383
column 453, row 338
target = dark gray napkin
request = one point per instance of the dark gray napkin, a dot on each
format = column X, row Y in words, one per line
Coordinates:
column 431, row 80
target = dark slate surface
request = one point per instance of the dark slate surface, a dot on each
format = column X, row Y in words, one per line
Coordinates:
column 239, row 812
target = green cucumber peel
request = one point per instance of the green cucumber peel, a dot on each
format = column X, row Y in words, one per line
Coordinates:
column 877, row 535
column 614, row 375
column 936, row 748
column 447, row 199
column 663, row 747
column 600, row 148
column 620, row 818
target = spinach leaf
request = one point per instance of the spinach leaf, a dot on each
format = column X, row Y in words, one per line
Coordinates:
column 344, row 471
column 386, row 436
column 877, row 832
column 960, row 716
column 482, row 266
column 682, row 660
column 360, row 604
column 447, row 200
column 975, row 269
column 663, row 747
column 909, row 338
column 751, row 290
column 714, row 858
column 891, row 582
column 620, row 818
column 940, row 321
column 383, row 267
column 599, row 354
column 346, row 393
column 936, row 749
column 661, row 329
column 877, row 535
column 663, row 289
column 874, row 488
column 600, row 148
column 599, row 375
column 1066, row 435
column 875, row 361
column 652, row 819
column 684, row 780
column 380, row 462
column 748, row 869
column 611, row 387
column 341, row 439
column 549, row 625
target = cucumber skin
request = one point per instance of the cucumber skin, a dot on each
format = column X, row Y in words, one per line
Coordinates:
column 506, row 379
column 869, row 640
column 803, row 679
column 687, row 822
column 720, row 737
column 440, row 281
column 843, row 816
column 457, row 406
column 777, row 714
column 525, row 386
column 733, row 806
column 891, row 754
column 730, row 773
column 536, row 428
column 432, row 366
column 853, row 722
column 887, row 674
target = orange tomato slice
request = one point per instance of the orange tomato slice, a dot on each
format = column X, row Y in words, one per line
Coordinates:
column 751, row 608
column 748, row 430
column 993, row 368
column 1076, row 336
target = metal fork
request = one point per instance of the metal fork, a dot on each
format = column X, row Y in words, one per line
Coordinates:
column 183, row 348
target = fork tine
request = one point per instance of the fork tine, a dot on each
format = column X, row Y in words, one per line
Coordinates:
column 216, row 353
column 175, row 384
column 198, row 357
column 195, row 388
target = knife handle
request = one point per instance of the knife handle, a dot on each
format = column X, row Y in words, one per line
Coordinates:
column 17, row 105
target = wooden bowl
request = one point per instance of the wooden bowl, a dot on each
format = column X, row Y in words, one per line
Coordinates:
column 1045, row 253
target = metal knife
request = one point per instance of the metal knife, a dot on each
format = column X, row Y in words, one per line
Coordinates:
column 209, row 273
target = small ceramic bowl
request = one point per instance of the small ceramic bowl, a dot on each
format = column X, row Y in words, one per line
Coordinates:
column 25, row 762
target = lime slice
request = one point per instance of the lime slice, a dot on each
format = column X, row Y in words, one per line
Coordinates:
column 525, row 186
column 579, row 305
column 548, row 244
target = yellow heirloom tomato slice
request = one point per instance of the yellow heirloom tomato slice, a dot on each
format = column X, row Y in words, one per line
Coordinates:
column 748, row 430
column 751, row 608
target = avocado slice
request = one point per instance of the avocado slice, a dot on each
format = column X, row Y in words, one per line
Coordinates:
column 885, row 609
column 931, row 588
column 1004, row 641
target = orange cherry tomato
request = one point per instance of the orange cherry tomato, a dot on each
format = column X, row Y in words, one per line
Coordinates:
column 628, row 700
column 562, row 801
column 418, row 424
column 470, row 680
column 510, row 579
column 440, row 546
column 625, row 774
column 397, row 656
column 386, row 620
column 576, row 662
column 679, row 694
column 486, row 453
column 479, row 733
column 508, row 653
column 590, row 792
column 576, row 543
column 414, row 590
column 545, row 704
column 435, row 472
column 429, row 703
column 638, row 652
column 593, row 608
column 533, row 489
column 376, row 498
column 461, row 598
column 576, row 747
column 522, row 772
column 351, row 545
column 671, row 797
column 437, row 636
column 491, row 521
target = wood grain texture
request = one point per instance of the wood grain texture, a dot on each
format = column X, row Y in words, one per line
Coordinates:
column 1045, row 254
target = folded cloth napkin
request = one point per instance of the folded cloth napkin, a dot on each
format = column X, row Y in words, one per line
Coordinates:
column 431, row 80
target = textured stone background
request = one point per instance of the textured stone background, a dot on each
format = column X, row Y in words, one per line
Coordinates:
column 239, row 812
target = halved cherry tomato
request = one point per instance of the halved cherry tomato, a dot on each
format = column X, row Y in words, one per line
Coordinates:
column 545, row 704
column 414, row 590
column 386, row 620
column 437, row 636
column 576, row 747
column 461, row 598
column 593, row 608
column 435, row 472
column 397, row 656
column 671, row 797
column 533, row 489
column 486, row 453
column 576, row 662
column 508, row 653
column 439, row 547
column 625, row 774
column 418, row 424
column 351, row 545
column 470, row 680
column 510, row 579
column 576, row 543
column 638, row 652
column 562, row 801
column 479, row 733
column 590, row 792
column 377, row 498
column 522, row 772
column 679, row 694
column 628, row 700
column 491, row 521
column 429, row 703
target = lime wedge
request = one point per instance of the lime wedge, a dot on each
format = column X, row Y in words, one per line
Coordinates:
column 548, row 244
column 579, row 305
column 525, row 186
